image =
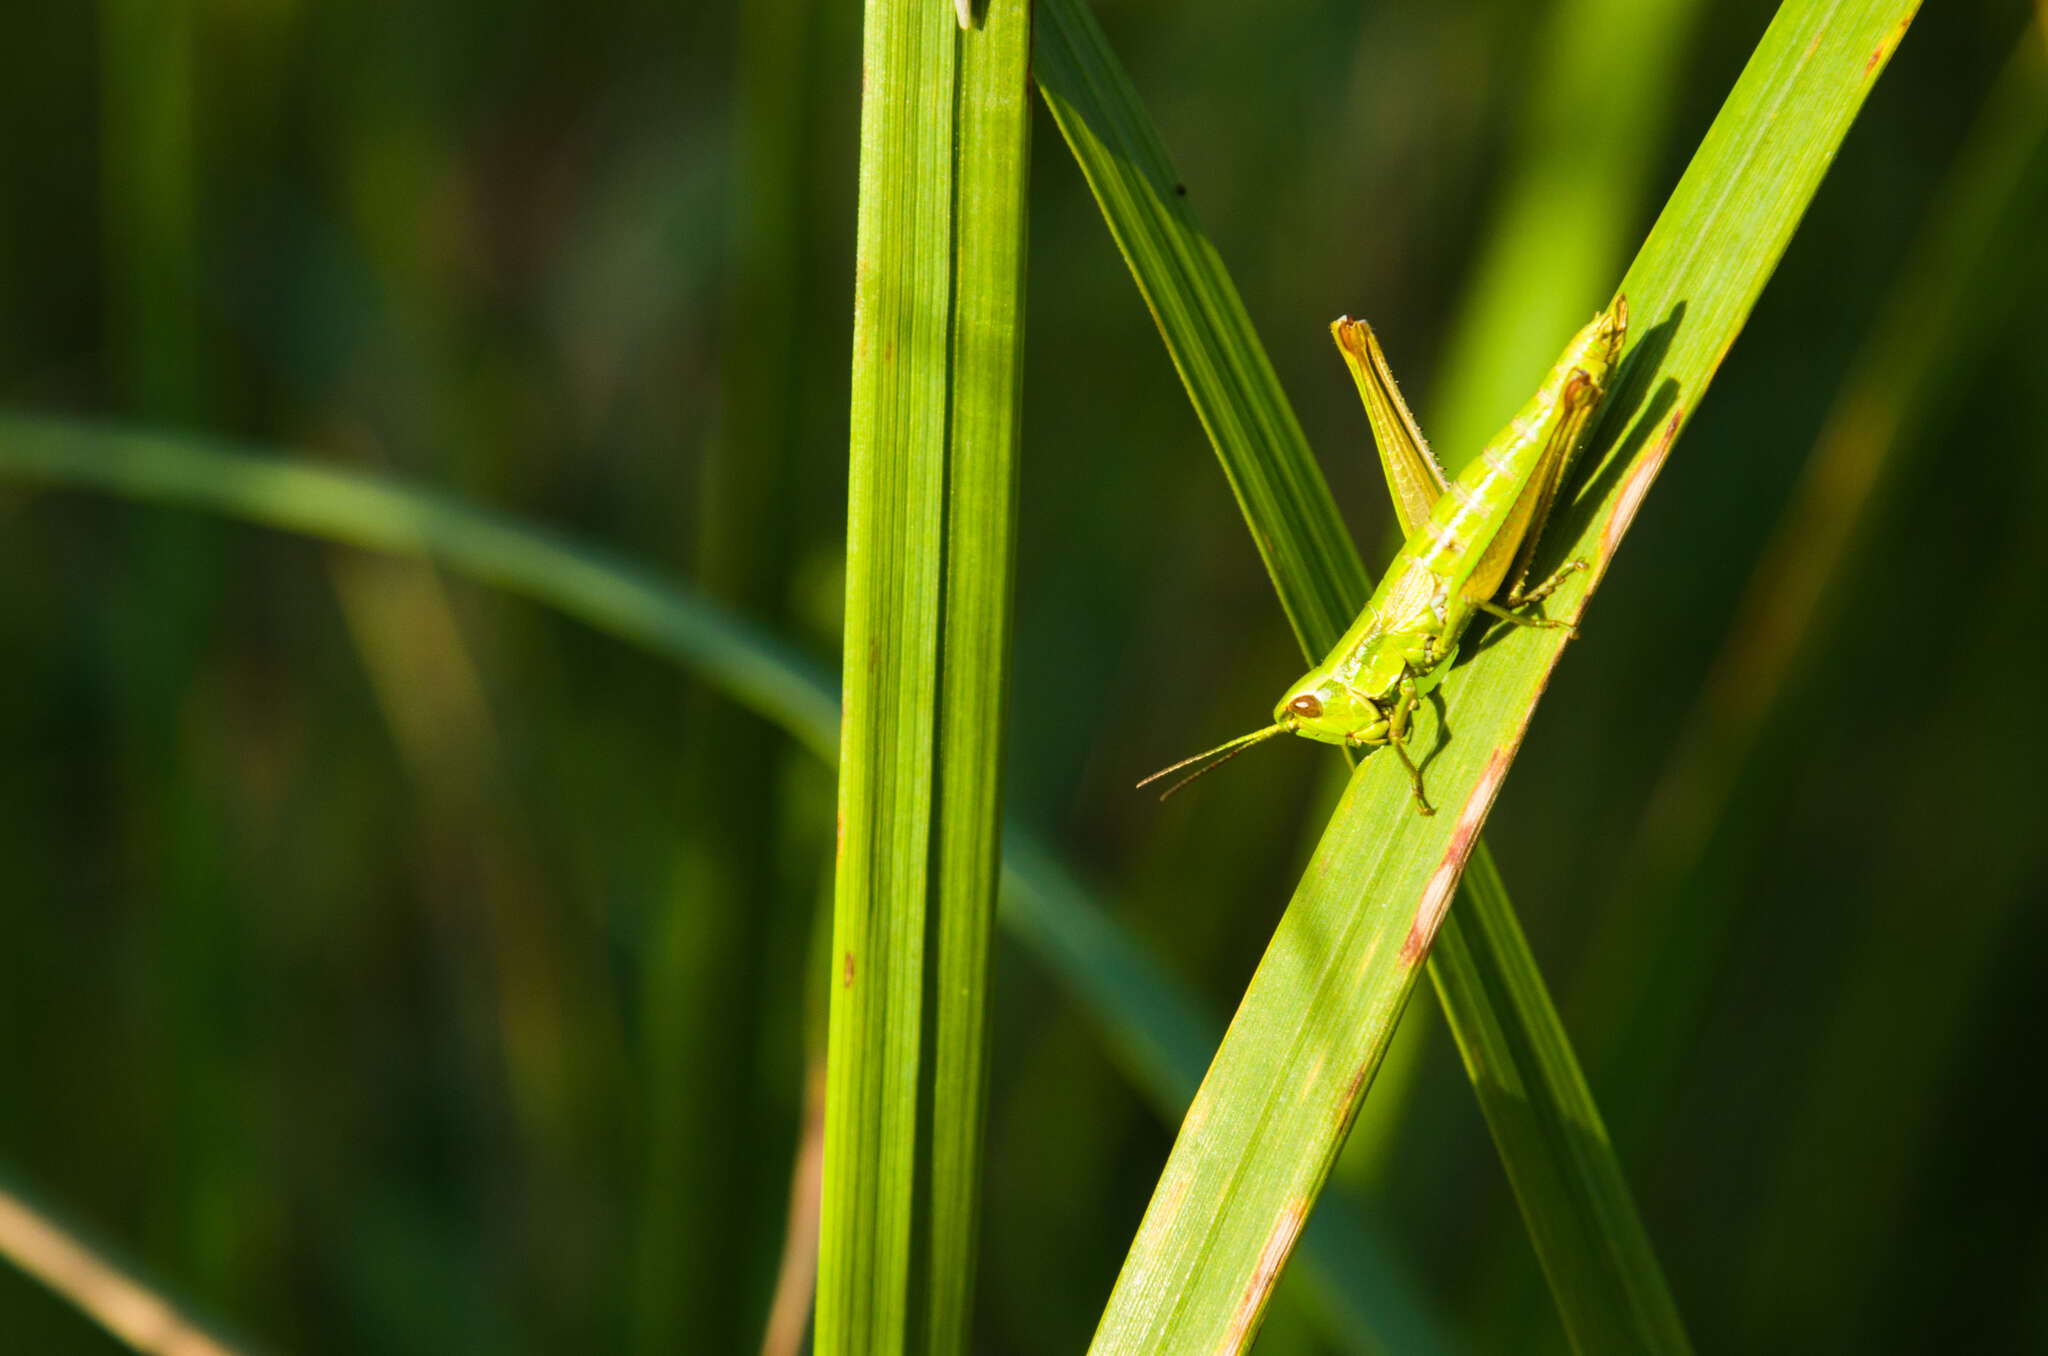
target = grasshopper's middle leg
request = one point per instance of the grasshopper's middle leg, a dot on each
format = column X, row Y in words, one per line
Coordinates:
column 1397, row 735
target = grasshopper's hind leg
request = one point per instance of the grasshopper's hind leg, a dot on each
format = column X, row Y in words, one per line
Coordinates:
column 1397, row 735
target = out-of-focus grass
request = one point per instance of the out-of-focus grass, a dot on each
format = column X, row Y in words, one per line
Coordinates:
column 1644, row 987
column 717, row 966
column 1158, row 1033
column 493, row 250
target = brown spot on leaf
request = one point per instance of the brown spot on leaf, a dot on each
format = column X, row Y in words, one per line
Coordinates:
column 1885, row 48
column 1436, row 898
column 1430, row 914
column 1259, row 1289
column 1355, row 1089
column 846, row 972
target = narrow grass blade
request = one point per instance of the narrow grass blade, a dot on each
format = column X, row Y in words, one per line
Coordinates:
column 937, row 344
column 1258, row 1141
column 1581, row 1216
column 1292, row 516
column 895, row 539
column 992, row 157
column 1154, row 1029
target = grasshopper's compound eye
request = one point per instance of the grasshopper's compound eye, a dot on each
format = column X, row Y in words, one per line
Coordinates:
column 1308, row 706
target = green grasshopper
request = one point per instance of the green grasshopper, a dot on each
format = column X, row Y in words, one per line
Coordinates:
column 1465, row 538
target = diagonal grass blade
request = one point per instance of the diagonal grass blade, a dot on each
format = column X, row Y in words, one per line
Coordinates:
column 1259, row 1139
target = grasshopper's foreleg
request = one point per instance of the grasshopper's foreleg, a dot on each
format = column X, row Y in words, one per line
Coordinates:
column 1397, row 735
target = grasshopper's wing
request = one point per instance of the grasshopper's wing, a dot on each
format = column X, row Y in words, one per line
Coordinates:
column 1413, row 475
column 1507, row 559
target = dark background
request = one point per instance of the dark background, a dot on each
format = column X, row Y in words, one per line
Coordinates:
column 390, row 965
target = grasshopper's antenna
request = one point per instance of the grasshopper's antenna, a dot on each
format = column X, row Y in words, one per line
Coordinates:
column 1221, row 754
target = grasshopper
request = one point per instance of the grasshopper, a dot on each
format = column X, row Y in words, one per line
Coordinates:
column 1465, row 538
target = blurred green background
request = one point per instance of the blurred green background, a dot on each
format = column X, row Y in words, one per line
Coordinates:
column 390, row 965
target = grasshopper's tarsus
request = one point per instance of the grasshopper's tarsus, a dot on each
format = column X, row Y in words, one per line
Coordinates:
column 1522, row 597
column 1519, row 597
column 1422, row 804
column 1535, row 623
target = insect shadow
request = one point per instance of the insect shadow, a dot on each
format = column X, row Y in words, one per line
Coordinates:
column 1627, row 409
column 1608, row 455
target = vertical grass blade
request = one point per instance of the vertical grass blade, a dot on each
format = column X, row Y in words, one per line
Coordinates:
column 1259, row 1140
column 992, row 161
column 937, row 336
column 1322, row 582
column 895, row 518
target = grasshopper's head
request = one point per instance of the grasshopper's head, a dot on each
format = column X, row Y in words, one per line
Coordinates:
column 1323, row 709
column 1318, row 707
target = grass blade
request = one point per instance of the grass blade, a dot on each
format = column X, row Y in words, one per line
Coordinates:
column 1581, row 1216
column 1292, row 517
column 993, row 157
column 1258, row 1142
column 937, row 345
column 1163, row 1039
